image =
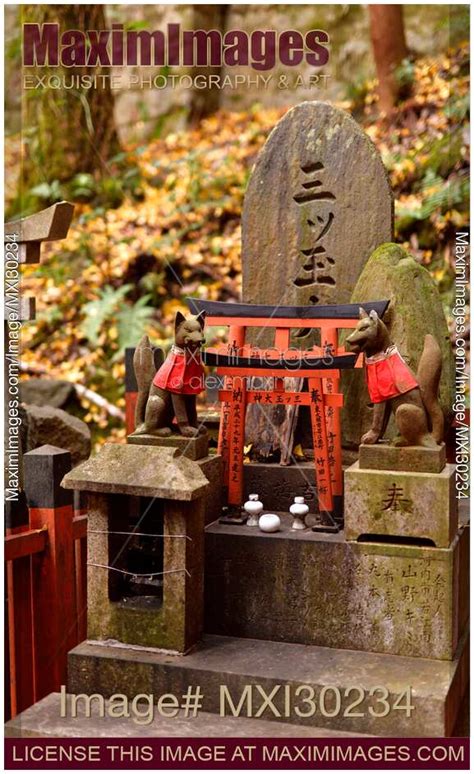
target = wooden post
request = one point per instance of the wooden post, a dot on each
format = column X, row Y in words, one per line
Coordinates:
column 238, row 408
column 18, row 604
column 333, row 420
column 321, row 462
column 53, row 581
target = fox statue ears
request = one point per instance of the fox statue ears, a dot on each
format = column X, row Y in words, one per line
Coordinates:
column 180, row 318
column 363, row 314
column 201, row 318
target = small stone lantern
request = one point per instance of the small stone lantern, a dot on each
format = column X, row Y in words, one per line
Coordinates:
column 145, row 545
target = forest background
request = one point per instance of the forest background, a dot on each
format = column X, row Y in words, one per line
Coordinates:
column 158, row 177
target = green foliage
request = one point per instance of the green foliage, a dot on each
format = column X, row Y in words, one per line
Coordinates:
column 100, row 311
column 132, row 322
column 110, row 311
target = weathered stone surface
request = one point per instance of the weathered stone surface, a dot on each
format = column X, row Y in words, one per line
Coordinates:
column 147, row 471
column 192, row 448
column 437, row 687
column 319, row 197
column 384, row 456
column 415, row 310
column 48, row 392
column 322, row 590
column 44, row 720
column 278, row 485
column 317, row 204
column 402, row 504
column 48, row 425
column 172, row 620
column 211, row 466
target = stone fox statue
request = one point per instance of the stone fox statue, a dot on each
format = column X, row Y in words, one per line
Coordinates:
column 170, row 393
column 394, row 387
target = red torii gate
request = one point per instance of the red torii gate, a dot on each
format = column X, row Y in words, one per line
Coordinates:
column 238, row 361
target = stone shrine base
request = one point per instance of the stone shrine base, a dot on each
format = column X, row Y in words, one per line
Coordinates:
column 319, row 589
column 437, row 687
column 43, row 720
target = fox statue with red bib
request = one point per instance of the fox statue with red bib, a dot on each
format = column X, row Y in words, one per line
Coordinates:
column 170, row 393
column 394, row 387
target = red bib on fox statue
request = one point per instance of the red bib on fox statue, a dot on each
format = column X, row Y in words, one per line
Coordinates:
column 388, row 375
column 182, row 372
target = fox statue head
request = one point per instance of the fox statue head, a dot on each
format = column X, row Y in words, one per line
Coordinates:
column 188, row 331
column 370, row 336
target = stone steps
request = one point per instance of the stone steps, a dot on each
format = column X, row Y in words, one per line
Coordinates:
column 44, row 720
column 436, row 686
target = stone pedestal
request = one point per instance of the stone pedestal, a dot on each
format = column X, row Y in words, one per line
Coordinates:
column 170, row 526
column 396, row 503
column 416, row 459
column 193, row 448
column 304, row 587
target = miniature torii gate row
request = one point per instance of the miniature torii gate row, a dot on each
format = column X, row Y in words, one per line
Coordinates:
column 321, row 366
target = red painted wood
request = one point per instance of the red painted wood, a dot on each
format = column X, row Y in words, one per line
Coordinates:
column 321, row 463
column 236, row 442
column 281, row 373
column 79, row 526
column 236, row 425
column 130, row 403
column 265, row 397
column 325, row 414
column 282, row 338
column 20, row 634
column 24, row 544
column 282, row 322
column 54, row 598
column 333, row 419
column 223, row 439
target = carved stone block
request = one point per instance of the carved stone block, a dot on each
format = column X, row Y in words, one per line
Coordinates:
column 322, row 590
column 417, row 459
column 400, row 504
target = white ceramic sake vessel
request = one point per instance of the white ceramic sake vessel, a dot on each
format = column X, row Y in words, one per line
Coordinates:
column 253, row 507
column 299, row 510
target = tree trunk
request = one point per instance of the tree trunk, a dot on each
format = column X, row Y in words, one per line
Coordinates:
column 67, row 131
column 389, row 48
column 205, row 102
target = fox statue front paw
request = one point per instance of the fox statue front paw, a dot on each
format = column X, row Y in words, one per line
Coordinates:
column 370, row 437
column 188, row 431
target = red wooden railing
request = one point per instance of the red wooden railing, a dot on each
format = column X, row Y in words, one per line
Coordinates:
column 46, row 590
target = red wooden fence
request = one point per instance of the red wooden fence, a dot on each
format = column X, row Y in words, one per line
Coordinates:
column 45, row 581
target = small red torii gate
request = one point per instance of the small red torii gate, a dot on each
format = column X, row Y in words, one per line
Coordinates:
column 238, row 361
